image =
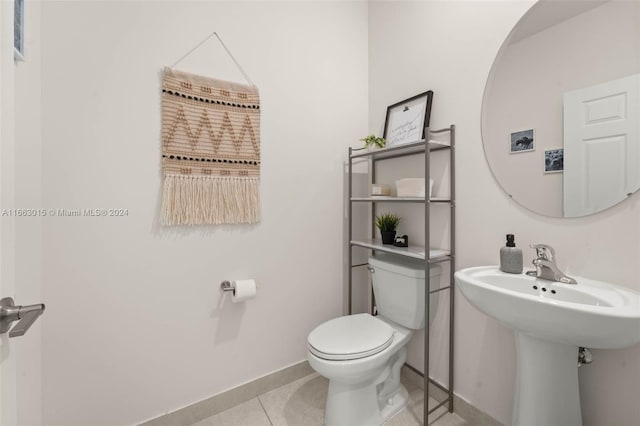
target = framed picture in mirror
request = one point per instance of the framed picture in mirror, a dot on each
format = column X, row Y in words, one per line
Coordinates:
column 406, row 120
column 522, row 141
column 554, row 160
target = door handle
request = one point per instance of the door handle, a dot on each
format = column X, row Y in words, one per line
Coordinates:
column 25, row 315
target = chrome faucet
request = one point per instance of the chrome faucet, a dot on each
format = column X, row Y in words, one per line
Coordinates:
column 546, row 267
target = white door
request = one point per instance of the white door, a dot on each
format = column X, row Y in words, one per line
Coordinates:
column 601, row 145
column 8, row 405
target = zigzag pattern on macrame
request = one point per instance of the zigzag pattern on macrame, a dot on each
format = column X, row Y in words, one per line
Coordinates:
column 215, row 137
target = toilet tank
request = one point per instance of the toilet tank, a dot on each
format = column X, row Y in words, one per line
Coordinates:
column 398, row 286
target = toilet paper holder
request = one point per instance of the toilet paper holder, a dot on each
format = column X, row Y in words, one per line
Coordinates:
column 227, row 286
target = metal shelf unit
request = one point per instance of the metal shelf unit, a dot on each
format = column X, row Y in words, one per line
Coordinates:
column 431, row 256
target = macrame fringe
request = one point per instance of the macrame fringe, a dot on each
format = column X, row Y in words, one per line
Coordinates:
column 197, row 200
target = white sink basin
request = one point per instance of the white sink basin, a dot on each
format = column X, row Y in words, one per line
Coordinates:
column 551, row 320
column 591, row 313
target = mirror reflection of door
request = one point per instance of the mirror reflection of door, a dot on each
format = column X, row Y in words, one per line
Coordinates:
column 561, row 47
column 601, row 145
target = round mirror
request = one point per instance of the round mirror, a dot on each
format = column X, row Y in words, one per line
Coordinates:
column 561, row 109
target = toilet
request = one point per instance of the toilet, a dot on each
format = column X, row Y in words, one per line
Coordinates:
column 361, row 354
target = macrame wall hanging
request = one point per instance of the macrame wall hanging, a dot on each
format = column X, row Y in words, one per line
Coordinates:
column 210, row 148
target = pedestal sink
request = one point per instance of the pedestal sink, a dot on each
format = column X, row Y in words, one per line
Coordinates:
column 551, row 320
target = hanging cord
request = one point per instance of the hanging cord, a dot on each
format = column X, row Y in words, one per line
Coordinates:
column 246, row 76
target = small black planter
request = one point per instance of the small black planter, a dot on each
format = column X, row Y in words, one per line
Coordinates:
column 388, row 237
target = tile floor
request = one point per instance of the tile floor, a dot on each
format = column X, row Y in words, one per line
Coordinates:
column 301, row 403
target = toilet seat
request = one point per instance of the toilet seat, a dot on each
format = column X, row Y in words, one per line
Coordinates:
column 350, row 337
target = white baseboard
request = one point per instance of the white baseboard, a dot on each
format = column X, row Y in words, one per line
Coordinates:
column 223, row 401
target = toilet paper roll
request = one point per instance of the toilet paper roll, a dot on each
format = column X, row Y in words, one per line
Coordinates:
column 244, row 290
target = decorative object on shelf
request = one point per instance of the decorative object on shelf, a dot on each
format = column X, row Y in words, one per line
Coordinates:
column 522, row 141
column 387, row 224
column 373, row 141
column 413, row 187
column 406, row 120
column 380, row 189
column 554, row 161
column 401, row 241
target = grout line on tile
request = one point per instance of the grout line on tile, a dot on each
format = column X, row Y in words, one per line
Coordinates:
column 265, row 410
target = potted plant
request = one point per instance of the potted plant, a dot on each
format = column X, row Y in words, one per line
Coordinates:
column 387, row 224
column 374, row 141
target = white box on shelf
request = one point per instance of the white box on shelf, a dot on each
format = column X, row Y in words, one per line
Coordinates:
column 413, row 187
column 380, row 189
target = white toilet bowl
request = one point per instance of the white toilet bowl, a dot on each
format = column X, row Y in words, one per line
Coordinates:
column 361, row 355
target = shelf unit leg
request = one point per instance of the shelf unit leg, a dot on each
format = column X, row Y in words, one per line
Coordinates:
column 372, row 174
column 427, row 275
column 350, row 220
column 452, row 263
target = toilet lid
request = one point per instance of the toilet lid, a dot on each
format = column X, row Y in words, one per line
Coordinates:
column 350, row 337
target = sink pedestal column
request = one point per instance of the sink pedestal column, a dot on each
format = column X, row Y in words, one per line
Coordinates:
column 546, row 383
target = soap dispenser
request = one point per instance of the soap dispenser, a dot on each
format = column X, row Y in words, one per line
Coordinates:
column 511, row 257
